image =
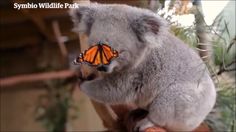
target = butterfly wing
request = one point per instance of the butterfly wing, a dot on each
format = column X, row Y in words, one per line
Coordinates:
column 97, row 59
column 104, row 59
column 89, row 55
column 100, row 54
column 108, row 54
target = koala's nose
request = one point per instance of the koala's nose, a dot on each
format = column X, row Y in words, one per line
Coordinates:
column 91, row 77
column 88, row 73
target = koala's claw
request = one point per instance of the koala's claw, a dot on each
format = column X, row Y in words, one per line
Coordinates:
column 142, row 125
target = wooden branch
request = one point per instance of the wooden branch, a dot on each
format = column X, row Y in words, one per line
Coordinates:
column 231, row 44
column 225, row 68
column 10, row 81
column 40, row 24
column 107, row 115
column 201, row 32
column 60, row 42
column 13, row 16
column 19, row 42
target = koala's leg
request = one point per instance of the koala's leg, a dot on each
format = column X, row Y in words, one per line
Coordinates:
column 143, row 124
column 104, row 92
column 171, row 113
column 159, row 113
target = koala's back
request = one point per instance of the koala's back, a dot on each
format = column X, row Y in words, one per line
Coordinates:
column 180, row 86
column 173, row 62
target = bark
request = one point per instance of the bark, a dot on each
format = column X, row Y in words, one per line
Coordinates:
column 203, row 40
column 14, row 80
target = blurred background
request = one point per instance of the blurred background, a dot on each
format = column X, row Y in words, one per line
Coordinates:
column 38, row 89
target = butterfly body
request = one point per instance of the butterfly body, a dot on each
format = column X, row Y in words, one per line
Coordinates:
column 97, row 55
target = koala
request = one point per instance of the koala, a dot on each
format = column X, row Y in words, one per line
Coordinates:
column 155, row 70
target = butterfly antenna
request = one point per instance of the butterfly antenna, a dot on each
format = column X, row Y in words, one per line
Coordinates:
column 75, row 62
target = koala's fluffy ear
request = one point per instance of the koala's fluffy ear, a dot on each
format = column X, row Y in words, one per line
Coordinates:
column 146, row 24
column 82, row 19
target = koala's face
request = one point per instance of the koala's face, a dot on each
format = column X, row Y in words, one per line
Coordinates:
column 120, row 25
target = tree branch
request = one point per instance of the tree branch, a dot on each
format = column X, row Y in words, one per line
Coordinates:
column 226, row 68
column 59, row 38
column 10, row 81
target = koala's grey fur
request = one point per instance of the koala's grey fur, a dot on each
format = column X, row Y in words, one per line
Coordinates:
column 154, row 70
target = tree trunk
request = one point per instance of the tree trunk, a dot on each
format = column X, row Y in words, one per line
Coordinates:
column 203, row 40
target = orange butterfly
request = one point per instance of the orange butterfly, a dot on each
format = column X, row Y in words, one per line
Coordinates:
column 97, row 55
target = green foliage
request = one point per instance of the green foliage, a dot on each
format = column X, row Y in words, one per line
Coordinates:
column 226, row 107
column 52, row 110
column 224, row 44
column 187, row 34
column 222, row 118
column 226, row 100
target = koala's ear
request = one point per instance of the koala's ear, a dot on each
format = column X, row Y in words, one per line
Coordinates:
column 82, row 16
column 144, row 25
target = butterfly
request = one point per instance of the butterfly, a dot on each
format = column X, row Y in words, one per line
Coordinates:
column 97, row 55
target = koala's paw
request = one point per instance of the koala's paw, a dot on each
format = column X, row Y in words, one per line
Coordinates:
column 142, row 125
column 113, row 66
column 84, row 86
column 89, row 87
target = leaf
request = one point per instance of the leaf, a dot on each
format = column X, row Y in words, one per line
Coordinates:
column 227, row 29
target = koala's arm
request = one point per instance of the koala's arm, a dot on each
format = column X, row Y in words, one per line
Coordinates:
column 105, row 92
